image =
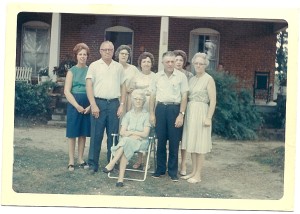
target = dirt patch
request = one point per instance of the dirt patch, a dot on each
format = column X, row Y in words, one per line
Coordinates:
column 229, row 169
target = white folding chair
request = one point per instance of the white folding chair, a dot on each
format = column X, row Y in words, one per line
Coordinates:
column 151, row 148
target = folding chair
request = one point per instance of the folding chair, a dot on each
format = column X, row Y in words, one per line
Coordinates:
column 151, row 148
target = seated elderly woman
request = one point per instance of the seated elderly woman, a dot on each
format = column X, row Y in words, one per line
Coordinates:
column 135, row 128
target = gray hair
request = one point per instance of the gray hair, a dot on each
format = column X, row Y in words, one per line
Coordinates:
column 107, row 42
column 168, row 53
column 138, row 92
column 201, row 55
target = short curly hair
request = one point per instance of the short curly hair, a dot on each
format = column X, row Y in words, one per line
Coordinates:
column 79, row 47
column 137, row 92
column 120, row 48
column 144, row 55
column 182, row 54
column 201, row 55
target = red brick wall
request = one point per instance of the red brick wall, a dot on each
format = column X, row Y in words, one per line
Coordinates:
column 90, row 29
column 244, row 46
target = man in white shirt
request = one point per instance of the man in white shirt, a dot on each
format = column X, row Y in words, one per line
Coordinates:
column 106, row 93
column 168, row 102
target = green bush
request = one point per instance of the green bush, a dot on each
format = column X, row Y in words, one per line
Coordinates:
column 32, row 101
column 235, row 116
column 279, row 120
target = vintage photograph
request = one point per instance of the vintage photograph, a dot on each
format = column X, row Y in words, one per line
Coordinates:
column 159, row 107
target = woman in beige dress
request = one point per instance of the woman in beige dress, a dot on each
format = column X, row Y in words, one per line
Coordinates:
column 180, row 62
column 143, row 81
column 123, row 55
column 197, row 128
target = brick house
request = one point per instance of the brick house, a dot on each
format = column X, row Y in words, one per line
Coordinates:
column 244, row 46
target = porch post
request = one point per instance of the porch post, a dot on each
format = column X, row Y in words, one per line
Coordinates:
column 54, row 44
column 163, row 40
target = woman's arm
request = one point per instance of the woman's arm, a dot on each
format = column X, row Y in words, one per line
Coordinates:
column 143, row 134
column 212, row 94
column 69, row 95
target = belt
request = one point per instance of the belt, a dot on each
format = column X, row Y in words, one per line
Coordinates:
column 108, row 100
column 168, row 103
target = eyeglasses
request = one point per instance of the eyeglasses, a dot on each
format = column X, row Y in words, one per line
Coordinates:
column 106, row 50
column 125, row 54
column 138, row 99
column 198, row 63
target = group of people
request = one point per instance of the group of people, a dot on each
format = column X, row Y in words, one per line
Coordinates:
column 118, row 97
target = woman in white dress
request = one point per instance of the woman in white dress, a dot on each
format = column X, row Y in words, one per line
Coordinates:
column 180, row 62
column 135, row 128
column 143, row 81
column 123, row 55
column 197, row 128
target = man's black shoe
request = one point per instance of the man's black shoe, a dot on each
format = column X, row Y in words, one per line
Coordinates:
column 156, row 175
column 93, row 171
column 174, row 178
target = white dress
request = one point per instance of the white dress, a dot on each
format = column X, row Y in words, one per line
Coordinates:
column 196, row 137
column 144, row 81
column 129, row 74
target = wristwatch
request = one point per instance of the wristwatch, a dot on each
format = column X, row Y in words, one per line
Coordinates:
column 182, row 112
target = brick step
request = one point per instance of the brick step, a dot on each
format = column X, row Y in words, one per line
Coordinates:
column 60, row 111
column 58, row 117
column 57, row 123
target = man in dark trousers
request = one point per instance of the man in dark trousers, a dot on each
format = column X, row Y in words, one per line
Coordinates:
column 167, row 104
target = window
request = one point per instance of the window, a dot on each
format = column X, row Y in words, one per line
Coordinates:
column 120, row 35
column 35, row 45
column 205, row 40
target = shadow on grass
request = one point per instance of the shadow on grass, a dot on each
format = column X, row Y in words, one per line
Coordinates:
column 39, row 171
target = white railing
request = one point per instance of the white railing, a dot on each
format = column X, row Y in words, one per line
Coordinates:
column 23, row 74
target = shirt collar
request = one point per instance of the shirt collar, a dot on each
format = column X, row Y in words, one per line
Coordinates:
column 175, row 72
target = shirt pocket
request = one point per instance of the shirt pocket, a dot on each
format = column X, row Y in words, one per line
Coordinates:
column 176, row 86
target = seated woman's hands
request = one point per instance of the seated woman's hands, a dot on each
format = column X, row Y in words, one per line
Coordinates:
column 132, row 135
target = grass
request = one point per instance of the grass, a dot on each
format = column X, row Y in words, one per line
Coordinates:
column 273, row 158
column 40, row 171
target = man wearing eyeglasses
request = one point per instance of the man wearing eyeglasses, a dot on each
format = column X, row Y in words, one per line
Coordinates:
column 106, row 92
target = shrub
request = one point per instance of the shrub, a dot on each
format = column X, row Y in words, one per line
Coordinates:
column 32, row 101
column 279, row 120
column 235, row 116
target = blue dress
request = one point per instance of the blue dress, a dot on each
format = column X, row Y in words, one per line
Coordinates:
column 133, row 122
column 78, row 124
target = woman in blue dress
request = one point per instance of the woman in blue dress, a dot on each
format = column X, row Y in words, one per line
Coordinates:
column 78, row 117
column 135, row 128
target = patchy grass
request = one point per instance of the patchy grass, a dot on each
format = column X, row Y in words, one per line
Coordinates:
column 40, row 171
column 273, row 158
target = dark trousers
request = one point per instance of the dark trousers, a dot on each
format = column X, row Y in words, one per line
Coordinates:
column 165, row 130
column 108, row 120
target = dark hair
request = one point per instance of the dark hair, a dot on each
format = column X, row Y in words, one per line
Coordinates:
column 182, row 54
column 120, row 48
column 79, row 47
column 144, row 56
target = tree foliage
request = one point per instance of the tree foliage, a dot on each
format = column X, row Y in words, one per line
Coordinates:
column 235, row 116
column 282, row 57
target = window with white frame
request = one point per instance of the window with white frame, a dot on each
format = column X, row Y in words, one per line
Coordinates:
column 205, row 40
column 35, row 45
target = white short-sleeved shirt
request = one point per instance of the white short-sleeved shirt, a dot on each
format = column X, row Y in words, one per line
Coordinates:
column 106, row 79
column 169, row 89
